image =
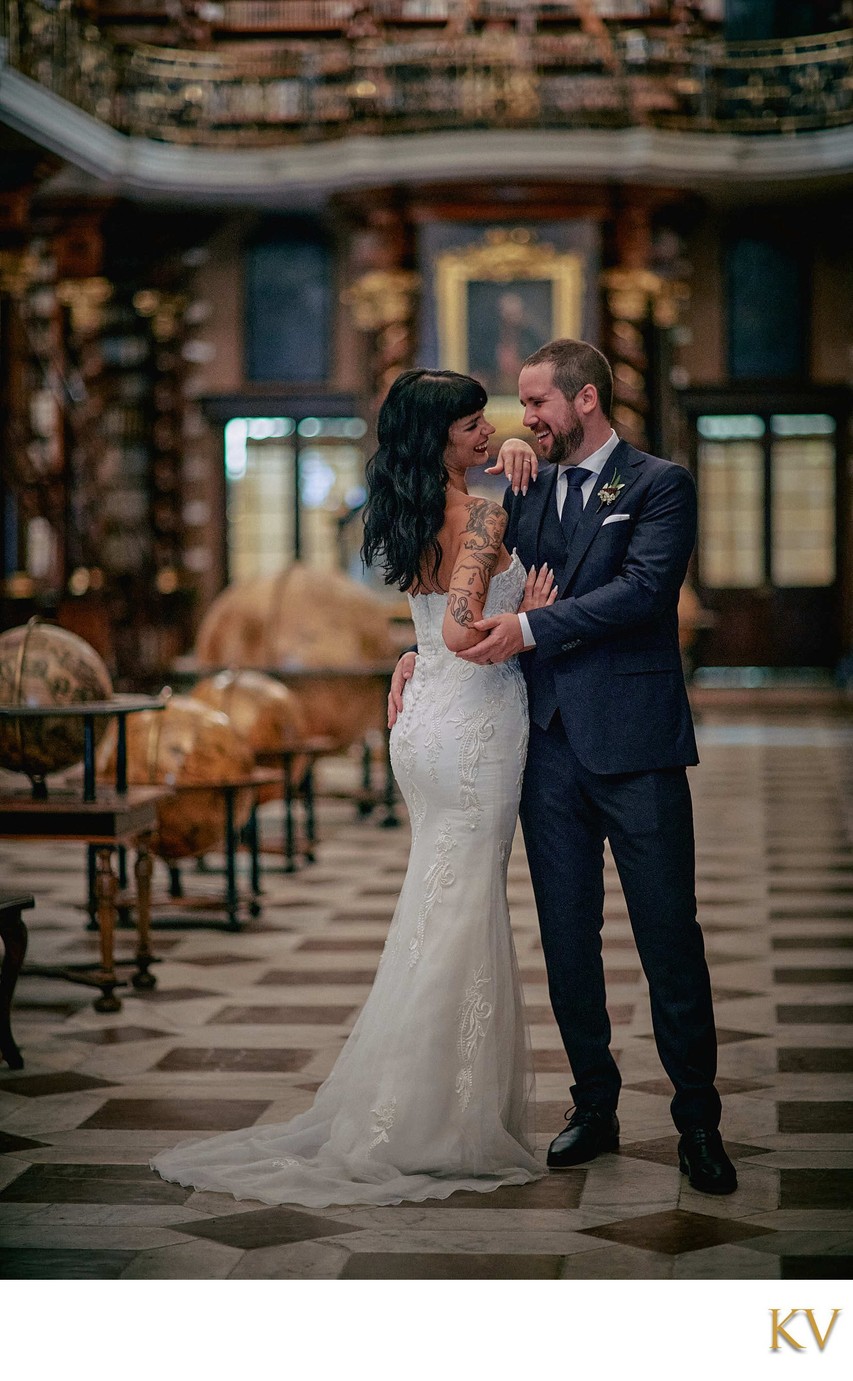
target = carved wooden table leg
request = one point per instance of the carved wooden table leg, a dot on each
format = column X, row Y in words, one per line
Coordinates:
column 143, row 869
column 232, row 896
column 107, row 888
column 365, row 804
column 390, row 820
column 289, row 830
column 251, row 834
column 92, row 886
column 13, row 933
column 310, row 818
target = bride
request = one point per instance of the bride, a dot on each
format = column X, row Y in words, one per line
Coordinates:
column 431, row 1091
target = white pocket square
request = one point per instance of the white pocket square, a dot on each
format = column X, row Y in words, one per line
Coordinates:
column 616, row 518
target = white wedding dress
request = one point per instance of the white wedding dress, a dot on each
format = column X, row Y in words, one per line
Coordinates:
column 431, row 1091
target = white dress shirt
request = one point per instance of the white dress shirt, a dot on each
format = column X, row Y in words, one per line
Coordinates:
column 595, row 463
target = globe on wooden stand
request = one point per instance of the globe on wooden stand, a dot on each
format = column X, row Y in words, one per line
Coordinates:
column 265, row 712
column 42, row 664
column 303, row 620
column 188, row 745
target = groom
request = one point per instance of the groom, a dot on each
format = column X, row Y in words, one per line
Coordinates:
column 610, row 738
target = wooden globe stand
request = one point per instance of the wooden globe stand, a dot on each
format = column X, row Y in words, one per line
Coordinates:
column 179, row 910
column 296, row 844
column 368, row 797
column 105, row 819
column 13, row 934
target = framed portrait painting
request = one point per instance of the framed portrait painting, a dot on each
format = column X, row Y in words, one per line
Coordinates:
column 497, row 301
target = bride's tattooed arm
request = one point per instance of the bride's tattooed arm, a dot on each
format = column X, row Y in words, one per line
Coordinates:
column 478, row 554
column 479, row 549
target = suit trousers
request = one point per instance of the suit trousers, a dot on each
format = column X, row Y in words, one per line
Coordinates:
column 567, row 812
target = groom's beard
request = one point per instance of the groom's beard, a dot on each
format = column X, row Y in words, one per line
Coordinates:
column 566, row 444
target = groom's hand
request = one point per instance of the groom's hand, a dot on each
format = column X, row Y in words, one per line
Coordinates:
column 504, row 641
column 519, row 462
column 403, row 672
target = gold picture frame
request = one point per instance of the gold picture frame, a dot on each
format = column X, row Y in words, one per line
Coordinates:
column 538, row 288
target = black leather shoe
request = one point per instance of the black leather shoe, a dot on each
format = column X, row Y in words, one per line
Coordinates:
column 701, row 1156
column 590, row 1130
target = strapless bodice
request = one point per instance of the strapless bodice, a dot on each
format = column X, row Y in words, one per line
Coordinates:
column 428, row 610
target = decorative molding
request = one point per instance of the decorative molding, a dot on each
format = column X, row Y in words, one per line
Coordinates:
column 117, row 164
column 635, row 294
column 382, row 303
column 381, row 298
column 19, row 269
column 86, row 299
column 604, row 77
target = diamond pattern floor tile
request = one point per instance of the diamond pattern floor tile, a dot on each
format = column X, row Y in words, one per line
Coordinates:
column 675, row 1232
column 46, row 1085
column 224, row 1041
column 459, row 1266
column 91, row 1184
column 24, row 1263
column 179, row 1114
column 265, row 1228
column 212, row 1059
column 816, row 1188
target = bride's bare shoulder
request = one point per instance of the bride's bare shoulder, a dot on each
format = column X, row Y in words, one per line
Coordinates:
column 471, row 524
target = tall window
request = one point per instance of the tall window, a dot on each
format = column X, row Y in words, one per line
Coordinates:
column 731, row 500
column 289, row 486
column 767, row 500
column 803, row 500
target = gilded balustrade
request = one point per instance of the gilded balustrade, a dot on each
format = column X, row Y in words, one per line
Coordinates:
column 52, row 45
column 311, row 90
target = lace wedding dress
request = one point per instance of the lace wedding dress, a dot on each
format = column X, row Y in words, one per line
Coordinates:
column 430, row 1092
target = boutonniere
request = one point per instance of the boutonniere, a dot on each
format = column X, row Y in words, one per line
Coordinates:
column 609, row 493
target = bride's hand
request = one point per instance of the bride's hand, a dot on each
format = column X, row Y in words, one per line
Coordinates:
column 539, row 589
column 403, row 671
column 519, row 462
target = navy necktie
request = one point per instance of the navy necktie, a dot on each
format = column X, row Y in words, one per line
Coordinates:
column 575, row 476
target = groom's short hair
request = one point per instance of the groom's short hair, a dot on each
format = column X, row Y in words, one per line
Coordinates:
column 575, row 363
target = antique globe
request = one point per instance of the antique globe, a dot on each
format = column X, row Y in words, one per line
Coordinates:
column 188, row 745
column 307, row 620
column 265, row 712
column 42, row 664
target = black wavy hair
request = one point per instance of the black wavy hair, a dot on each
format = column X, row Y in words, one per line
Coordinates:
column 406, row 477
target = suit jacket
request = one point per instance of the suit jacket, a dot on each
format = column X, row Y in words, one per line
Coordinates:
column 611, row 638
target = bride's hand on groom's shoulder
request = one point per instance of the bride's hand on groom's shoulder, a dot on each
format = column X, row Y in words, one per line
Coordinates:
column 403, row 672
column 539, row 589
column 519, row 462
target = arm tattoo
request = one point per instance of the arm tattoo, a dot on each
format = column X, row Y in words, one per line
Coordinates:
column 478, row 555
column 460, row 610
column 484, row 530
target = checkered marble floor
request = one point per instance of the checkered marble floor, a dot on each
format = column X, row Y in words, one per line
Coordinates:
column 242, row 1028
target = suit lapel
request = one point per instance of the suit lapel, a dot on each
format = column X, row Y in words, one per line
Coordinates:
column 533, row 511
column 624, row 462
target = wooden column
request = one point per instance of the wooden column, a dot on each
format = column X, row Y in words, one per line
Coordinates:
column 382, row 295
column 639, row 301
column 627, row 285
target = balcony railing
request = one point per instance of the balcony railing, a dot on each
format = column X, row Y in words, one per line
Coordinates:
column 321, row 89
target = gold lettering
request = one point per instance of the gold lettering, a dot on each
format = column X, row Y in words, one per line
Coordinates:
column 821, row 1341
column 779, row 1331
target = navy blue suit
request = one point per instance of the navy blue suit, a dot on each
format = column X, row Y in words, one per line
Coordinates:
column 610, row 738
